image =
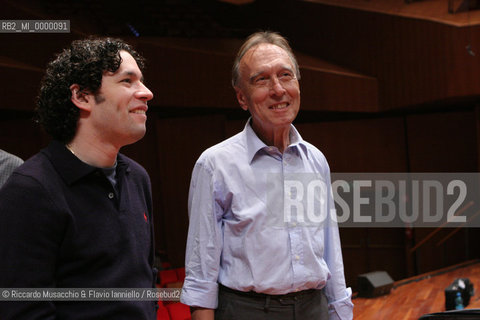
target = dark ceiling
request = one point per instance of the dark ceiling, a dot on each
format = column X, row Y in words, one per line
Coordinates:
column 164, row 18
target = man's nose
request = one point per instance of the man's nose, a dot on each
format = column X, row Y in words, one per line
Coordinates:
column 144, row 93
column 276, row 86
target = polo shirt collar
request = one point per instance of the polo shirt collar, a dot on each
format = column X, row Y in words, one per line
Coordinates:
column 68, row 166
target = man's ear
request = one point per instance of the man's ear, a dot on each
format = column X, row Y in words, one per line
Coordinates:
column 241, row 98
column 81, row 98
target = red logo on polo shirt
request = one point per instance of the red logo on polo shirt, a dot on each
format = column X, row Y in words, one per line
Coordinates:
column 145, row 217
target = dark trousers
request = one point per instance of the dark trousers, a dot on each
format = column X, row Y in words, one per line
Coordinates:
column 304, row 305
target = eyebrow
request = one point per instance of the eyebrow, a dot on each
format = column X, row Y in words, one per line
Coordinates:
column 131, row 74
column 252, row 78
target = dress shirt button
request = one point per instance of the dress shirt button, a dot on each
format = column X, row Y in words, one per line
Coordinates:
column 111, row 195
column 297, row 257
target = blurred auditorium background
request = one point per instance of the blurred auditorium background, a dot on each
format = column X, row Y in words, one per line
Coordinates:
column 387, row 86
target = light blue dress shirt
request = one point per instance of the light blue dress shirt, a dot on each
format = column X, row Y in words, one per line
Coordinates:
column 236, row 189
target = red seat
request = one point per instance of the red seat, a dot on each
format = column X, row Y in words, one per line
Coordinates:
column 166, row 265
column 179, row 311
column 180, row 273
column 167, row 276
column 162, row 313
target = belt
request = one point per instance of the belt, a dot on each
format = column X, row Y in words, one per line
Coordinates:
column 280, row 297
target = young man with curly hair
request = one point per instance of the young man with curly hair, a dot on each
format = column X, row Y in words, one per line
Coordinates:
column 79, row 213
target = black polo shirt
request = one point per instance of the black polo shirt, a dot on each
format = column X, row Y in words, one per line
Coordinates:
column 62, row 225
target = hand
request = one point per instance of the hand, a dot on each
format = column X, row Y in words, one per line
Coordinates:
column 202, row 313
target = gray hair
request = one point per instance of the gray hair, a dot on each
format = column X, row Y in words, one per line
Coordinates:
column 256, row 39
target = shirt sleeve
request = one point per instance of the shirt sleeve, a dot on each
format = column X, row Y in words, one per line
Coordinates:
column 204, row 242
column 8, row 164
column 339, row 297
column 31, row 230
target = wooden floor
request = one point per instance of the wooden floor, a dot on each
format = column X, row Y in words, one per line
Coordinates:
column 414, row 297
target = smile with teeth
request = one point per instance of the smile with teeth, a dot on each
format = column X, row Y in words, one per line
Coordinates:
column 279, row 106
column 138, row 111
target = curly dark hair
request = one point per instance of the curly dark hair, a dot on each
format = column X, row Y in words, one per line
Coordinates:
column 83, row 63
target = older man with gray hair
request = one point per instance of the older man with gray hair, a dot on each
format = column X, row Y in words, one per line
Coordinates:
column 239, row 259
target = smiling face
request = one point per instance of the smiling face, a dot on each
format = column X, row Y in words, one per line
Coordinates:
column 119, row 111
column 268, row 88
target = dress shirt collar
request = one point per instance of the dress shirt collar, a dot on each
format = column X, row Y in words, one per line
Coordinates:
column 254, row 144
column 69, row 167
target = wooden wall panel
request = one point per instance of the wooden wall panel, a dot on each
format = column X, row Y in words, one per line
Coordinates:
column 21, row 91
column 442, row 142
column 415, row 61
column 355, row 254
column 20, row 136
column 232, row 127
column 326, row 86
column 188, row 76
column 365, row 145
column 180, row 141
column 386, row 251
column 191, row 73
column 34, row 49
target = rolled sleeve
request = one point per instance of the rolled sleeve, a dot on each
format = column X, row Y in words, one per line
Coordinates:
column 204, row 243
column 341, row 309
column 339, row 296
column 197, row 293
